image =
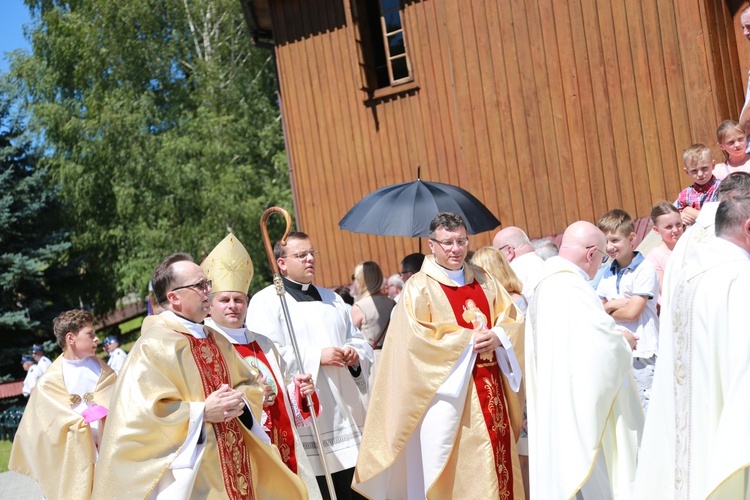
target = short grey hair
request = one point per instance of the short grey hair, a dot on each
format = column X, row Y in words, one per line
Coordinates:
column 450, row 221
column 732, row 213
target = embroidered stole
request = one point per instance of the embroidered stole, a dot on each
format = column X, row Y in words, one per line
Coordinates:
column 486, row 374
column 233, row 454
column 278, row 426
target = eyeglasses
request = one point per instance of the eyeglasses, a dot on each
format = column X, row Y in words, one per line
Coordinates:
column 204, row 285
column 605, row 257
column 304, row 255
column 447, row 245
column 504, row 247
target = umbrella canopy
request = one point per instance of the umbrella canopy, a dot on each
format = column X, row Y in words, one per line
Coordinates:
column 407, row 210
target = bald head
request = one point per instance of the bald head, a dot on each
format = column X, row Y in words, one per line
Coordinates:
column 584, row 245
column 513, row 242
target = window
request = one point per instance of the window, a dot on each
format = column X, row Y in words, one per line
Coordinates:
column 381, row 44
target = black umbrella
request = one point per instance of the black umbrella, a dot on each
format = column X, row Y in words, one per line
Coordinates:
column 407, row 209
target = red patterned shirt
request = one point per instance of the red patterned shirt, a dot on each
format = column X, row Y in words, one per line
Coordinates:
column 696, row 195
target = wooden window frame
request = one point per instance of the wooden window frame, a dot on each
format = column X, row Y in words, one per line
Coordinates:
column 388, row 57
column 366, row 59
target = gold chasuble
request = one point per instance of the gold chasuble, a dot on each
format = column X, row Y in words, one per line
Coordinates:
column 413, row 404
column 54, row 445
column 166, row 370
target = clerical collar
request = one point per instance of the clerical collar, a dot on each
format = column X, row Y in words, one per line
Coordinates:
column 301, row 292
column 296, row 284
column 195, row 329
column 456, row 275
column 236, row 335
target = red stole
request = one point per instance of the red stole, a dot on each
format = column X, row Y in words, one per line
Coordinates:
column 488, row 383
column 278, row 426
column 233, row 454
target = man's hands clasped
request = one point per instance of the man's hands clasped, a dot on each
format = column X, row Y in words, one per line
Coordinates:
column 485, row 341
column 341, row 357
column 223, row 405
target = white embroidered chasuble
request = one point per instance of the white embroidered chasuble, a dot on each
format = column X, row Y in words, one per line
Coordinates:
column 584, row 413
column 697, row 440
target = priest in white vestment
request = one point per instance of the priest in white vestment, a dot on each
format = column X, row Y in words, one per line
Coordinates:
column 521, row 255
column 700, row 233
column 332, row 350
column 697, row 440
column 584, row 413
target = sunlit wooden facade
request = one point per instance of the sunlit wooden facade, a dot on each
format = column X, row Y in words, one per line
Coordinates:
column 549, row 111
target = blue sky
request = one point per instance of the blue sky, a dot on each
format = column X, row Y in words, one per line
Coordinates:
column 13, row 15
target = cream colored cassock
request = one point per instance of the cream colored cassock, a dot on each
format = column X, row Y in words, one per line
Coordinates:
column 317, row 325
column 425, row 435
column 700, row 233
column 696, row 443
column 151, row 445
column 584, row 413
column 54, row 445
column 304, row 468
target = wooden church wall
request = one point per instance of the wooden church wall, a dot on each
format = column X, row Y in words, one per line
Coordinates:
column 548, row 111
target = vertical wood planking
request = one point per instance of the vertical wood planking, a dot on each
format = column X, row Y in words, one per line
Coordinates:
column 524, row 108
column 511, row 174
column 548, row 111
column 558, row 121
column 649, row 172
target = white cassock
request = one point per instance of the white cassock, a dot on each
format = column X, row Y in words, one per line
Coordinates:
column 44, row 363
column 700, row 233
column 117, row 359
column 696, row 442
column 318, row 325
column 584, row 413
column 528, row 267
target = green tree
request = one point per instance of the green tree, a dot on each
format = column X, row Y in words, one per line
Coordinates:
column 34, row 266
column 160, row 121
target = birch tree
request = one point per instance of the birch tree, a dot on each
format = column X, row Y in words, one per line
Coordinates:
column 160, row 122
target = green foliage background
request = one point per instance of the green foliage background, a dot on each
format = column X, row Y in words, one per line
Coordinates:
column 35, row 268
column 159, row 122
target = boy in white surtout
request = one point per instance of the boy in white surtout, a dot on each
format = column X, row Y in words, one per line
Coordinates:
column 59, row 435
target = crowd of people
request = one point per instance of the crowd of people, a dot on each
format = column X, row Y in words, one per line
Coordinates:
column 588, row 369
column 516, row 370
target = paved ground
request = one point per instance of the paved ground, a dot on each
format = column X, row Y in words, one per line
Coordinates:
column 18, row 487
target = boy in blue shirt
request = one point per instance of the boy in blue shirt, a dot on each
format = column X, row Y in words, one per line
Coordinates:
column 629, row 290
